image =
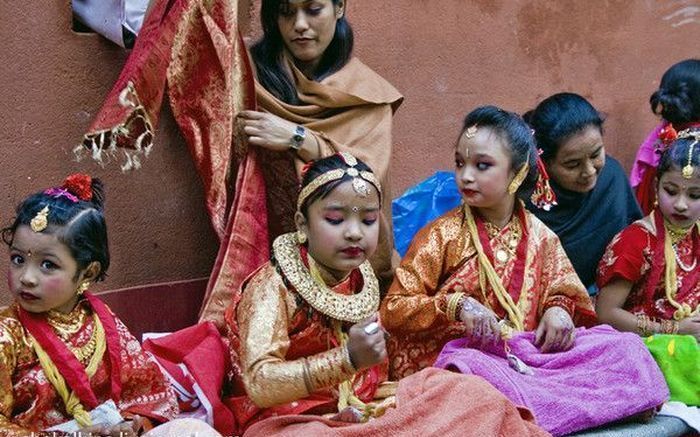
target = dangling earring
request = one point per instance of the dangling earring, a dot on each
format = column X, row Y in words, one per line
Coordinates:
column 518, row 179
column 82, row 288
column 301, row 237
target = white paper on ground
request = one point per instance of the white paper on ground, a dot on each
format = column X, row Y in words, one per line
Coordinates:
column 104, row 414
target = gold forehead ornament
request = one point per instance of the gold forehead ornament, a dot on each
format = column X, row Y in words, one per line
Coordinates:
column 359, row 180
column 40, row 220
column 471, row 132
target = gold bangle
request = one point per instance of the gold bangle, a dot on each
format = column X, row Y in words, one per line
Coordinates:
column 452, row 305
column 348, row 365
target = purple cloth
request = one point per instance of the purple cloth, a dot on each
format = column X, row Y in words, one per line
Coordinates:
column 606, row 376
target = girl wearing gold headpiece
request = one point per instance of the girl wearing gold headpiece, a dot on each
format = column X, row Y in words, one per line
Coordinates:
column 487, row 289
column 306, row 341
column 487, row 260
column 68, row 365
column 650, row 278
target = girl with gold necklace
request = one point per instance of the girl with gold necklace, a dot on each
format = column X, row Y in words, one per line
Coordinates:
column 67, row 363
column 306, row 342
column 649, row 275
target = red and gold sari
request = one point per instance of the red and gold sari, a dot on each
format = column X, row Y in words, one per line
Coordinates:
column 194, row 49
column 286, row 355
column 637, row 255
column 442, row 259
column 29, row 402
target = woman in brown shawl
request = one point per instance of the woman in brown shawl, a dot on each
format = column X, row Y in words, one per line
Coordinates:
column 313, row 99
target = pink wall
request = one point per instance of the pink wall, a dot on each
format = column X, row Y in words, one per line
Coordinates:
column 445, row 56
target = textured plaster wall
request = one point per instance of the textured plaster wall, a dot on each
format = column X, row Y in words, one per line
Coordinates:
column 445, row 56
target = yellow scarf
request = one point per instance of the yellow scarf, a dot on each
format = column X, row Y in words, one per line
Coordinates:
column 71, row 401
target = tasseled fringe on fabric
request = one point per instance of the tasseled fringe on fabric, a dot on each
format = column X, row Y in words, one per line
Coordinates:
column 105, row 143
column 543, row 196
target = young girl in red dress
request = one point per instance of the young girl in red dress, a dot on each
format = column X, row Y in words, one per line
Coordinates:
column 63, row 353
column 649, row 274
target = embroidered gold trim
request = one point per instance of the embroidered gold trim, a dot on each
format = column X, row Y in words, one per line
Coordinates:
column 351, row 308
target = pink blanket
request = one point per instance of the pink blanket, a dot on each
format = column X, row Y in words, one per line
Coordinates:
column 606, row 376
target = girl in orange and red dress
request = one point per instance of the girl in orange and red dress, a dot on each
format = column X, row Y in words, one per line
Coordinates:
column 63, row 353
column 487, row 289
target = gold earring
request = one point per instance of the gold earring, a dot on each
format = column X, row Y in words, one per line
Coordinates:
column 82, row 288
column 518, row 179
column 301, row 237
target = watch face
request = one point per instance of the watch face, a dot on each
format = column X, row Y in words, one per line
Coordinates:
column 298, row 137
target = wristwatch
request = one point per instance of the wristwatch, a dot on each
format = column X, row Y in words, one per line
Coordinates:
column 298, row 137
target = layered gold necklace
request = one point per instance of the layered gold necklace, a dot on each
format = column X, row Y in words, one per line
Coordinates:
column 674, row 235
column 67, row 325
column 348, row 308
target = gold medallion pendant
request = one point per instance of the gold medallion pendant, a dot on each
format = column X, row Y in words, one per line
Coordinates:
column 501, row 255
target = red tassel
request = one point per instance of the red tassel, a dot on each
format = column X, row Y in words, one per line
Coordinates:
column 543, row 196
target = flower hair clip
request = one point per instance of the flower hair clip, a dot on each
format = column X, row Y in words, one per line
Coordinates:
column 75, row 187
column 667, row 135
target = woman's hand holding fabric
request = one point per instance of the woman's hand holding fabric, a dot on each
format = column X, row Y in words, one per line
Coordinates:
column 480, row 322
column 366, row 344
column 690, row 326
column 556, row 331
column 268, row 130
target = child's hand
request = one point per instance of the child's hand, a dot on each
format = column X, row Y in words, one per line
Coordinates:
column 479, row 321
column 556, row 331
column 128, row 428
column 366, row 343
column 690, row 326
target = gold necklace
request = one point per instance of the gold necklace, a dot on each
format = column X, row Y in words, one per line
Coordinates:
column 676, row 232
column 66, row 325
column 348, row 308
column 511, row 237
column 84, row 353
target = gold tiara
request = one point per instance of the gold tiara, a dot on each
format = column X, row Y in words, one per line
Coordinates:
column 688, row 169
column 359, row 180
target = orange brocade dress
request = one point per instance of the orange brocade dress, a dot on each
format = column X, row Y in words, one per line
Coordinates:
column 442, row 260
column 28, row 401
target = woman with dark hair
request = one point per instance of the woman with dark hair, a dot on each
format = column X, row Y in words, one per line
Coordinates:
column 303, row 97
column 677, row 101
column 594, row 200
